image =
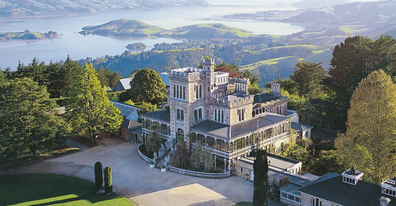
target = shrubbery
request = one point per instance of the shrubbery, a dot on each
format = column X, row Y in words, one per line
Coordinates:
column 98, row 175
column 108, row 180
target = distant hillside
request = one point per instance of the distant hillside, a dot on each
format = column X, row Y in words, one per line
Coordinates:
column 318, row 4
column 352, row 13
column 123, row 27
column 26, row 35
column 35, row 7
column 136, row 28
column 207, row 31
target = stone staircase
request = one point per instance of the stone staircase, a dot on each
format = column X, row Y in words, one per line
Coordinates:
column 161, row 161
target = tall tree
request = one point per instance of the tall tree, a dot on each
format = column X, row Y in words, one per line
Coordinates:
column 261, row 185
column 28, row 119
column 370, row 139
column 308, row 77
column 90, row 111
column 352, row 61
column 147, row 86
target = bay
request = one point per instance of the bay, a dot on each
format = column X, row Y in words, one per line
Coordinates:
column 77, row 46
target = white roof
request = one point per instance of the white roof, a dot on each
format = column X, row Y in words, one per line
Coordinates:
column 125, row 83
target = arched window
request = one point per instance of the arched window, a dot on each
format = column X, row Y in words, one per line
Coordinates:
column 179, row 134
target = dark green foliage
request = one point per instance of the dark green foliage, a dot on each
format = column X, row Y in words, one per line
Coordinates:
column 274, row 193
column 90, row 111
column 98, row 175
column 308, row 77
column 107, row 78
column 28, row 120
column 147, row 86
column 261, row 185
column 352, row 61
column 108, row 180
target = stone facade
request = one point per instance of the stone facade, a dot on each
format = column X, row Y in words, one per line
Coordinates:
column 202, row 98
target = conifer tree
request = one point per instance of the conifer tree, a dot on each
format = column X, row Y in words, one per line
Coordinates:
column 90, row 112
column 28, row 119
column 98, row 175
column 261, row 185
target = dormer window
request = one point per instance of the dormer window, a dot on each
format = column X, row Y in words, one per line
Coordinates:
column 351, row 176
column 388, row 187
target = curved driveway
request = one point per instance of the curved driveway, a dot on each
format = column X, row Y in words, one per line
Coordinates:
column 134, row 179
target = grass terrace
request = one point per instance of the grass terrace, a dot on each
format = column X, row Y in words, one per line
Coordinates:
column 51, row 189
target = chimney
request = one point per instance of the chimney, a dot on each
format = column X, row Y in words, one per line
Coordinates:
column 384, row 201
column 275, row 88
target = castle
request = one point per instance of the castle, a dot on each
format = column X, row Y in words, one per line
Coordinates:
column 217, row 111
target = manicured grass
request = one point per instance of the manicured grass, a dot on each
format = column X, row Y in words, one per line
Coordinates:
column 50, row 189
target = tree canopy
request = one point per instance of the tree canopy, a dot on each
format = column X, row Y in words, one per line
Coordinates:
column 90, row 111
column 308, row 77
column 28, row 119
column 370, row 139
column 147, row 86
column 352, row 61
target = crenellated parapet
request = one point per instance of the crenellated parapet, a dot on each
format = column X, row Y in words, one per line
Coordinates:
column 241, row 101
column 188, row 74
column 231, row 102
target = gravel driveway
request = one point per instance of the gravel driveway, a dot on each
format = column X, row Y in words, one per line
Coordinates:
column 142, row 185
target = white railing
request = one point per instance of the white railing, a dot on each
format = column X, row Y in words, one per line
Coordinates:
column 199, row 174
column 144, row 157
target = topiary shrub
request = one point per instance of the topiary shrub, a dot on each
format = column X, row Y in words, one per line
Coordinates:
column 98, row 175
column 108, row 180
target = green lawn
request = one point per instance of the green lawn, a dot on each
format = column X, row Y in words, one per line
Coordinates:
column 49, row 189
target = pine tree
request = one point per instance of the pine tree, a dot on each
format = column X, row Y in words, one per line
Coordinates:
column 261, row 185
column 90, row 111
column 28, row 119
column 370, row 139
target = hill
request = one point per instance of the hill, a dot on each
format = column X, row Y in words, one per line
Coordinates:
column 36, row 7
column 26, row 35
column 200, row 31
column 136, row 28
column 123, row 27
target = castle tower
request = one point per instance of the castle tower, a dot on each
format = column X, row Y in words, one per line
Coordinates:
column 208, row 69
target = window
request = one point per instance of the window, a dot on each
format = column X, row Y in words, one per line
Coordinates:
column 180, row 114
column 284, row 195
column 241, row 114
column 179, row 91
column 218, row 115
column 317, row 202
column 198, row 114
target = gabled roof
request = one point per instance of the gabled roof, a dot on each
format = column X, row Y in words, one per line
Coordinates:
column 129, row 112
column 330, row 187
column 125, row 83
column 300, row 127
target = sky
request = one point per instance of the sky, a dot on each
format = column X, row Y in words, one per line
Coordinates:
column 260, row 2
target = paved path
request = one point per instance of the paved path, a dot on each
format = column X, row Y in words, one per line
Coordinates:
column 134, row 179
